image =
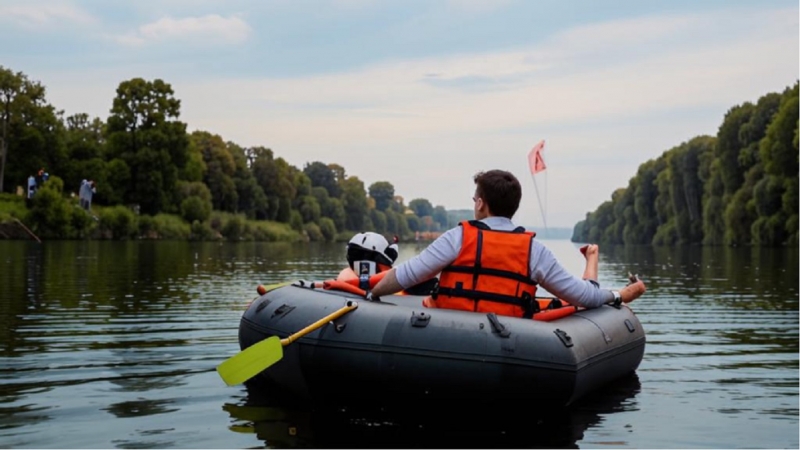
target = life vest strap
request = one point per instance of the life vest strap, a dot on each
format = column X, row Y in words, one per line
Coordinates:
column 494, row 272
column 526, row 302
column 482, row 226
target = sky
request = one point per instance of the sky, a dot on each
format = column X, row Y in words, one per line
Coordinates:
column 425, row 94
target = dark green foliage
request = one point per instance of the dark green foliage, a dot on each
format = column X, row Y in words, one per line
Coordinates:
column 440, row 216
column 309, row 208
column 51, row 214
column 195, row 209
column 313, row 232
column 354, row 201
column 145, row 133
column 383, row 193
column 202, row 231
column 325, row 176
column 296, row 220
column 421, row 207
column 235, row 227
column 737, row 188
column 118, row 222
column 413, row 222
column 328, row 229
column 379, row 222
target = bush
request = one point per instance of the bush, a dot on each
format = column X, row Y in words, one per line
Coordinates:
column 195, row 208
column 313, row 232
column 51, row 214
column 83, row 223
column 202, row 231
column 273, row 232
column 12, row 207
column 169, row 226
column 235, row 229
column 147, row 227
column 296, row 220
column 328, row 228
column 118, row 222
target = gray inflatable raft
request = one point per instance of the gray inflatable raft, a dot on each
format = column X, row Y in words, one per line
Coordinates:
column 398, row 350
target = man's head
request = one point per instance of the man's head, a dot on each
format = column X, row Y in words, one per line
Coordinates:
column 497, row 193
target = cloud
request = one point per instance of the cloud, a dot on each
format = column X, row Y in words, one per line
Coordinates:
column 232, row 29
column 606, row 98
column 41, row 15
column 477, row 6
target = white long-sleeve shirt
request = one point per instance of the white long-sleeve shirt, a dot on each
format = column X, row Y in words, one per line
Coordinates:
column 545, row 269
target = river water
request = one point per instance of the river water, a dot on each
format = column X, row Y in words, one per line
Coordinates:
column 115, row 344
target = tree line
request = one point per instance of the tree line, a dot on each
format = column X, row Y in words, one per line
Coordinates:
column 146, row 165
column 737, row 188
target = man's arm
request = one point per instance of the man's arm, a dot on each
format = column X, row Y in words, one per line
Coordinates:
column 427, row 264
column 388, row 285
column 585, row 292
column 592, row 254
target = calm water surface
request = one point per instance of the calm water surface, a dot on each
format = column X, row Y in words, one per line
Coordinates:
column 114, row 345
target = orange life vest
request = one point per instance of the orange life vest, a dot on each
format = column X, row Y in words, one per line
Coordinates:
column 490, row 274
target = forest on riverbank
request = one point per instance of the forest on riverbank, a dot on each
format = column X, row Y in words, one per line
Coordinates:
column 739, row 187
column 155, row 180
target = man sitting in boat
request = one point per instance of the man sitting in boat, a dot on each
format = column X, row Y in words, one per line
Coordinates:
column 491, row 265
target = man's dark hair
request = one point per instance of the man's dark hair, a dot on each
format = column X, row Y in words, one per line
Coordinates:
column 500, row 190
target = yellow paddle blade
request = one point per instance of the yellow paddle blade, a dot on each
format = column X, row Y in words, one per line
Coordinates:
column 251, row 361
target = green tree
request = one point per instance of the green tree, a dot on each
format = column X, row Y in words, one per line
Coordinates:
column 324, row 176
column 220, row 170
column 145, row 133
column 383, row 193
column 421, row 207
column 252, row 199
column 277, row 180
column 439, row 215
column 729, row 146
column 85, row 149
column 354, row 200
column 31, row 134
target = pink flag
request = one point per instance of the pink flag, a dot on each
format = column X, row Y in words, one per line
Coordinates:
column 535, row 160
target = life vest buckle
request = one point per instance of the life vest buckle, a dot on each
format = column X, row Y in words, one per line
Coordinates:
column 529, row 305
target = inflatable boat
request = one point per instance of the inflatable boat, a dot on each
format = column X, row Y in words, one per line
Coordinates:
column 395, row 349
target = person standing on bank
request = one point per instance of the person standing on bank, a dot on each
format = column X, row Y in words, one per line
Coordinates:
column 31, row 186
column 491, row 265
column 85, row 194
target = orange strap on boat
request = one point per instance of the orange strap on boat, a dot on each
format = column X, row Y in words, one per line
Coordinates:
column 552, row 309
column 343, row 286
column 553, row 314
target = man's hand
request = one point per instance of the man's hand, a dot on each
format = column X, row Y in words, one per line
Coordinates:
column 632, row 291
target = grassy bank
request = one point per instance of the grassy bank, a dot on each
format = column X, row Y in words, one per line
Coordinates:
column 62, row 218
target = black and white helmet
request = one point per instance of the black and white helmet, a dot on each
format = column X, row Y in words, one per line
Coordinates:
column 371, row 246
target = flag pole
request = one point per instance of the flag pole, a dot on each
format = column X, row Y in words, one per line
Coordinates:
column 544, row 219
column 545, row 202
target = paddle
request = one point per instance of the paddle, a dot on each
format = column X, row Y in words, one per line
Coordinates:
column 258, row 357
column 261, row 289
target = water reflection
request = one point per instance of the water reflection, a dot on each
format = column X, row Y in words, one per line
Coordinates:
column 450, row 425
column 114, row 344
column 138, row 408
